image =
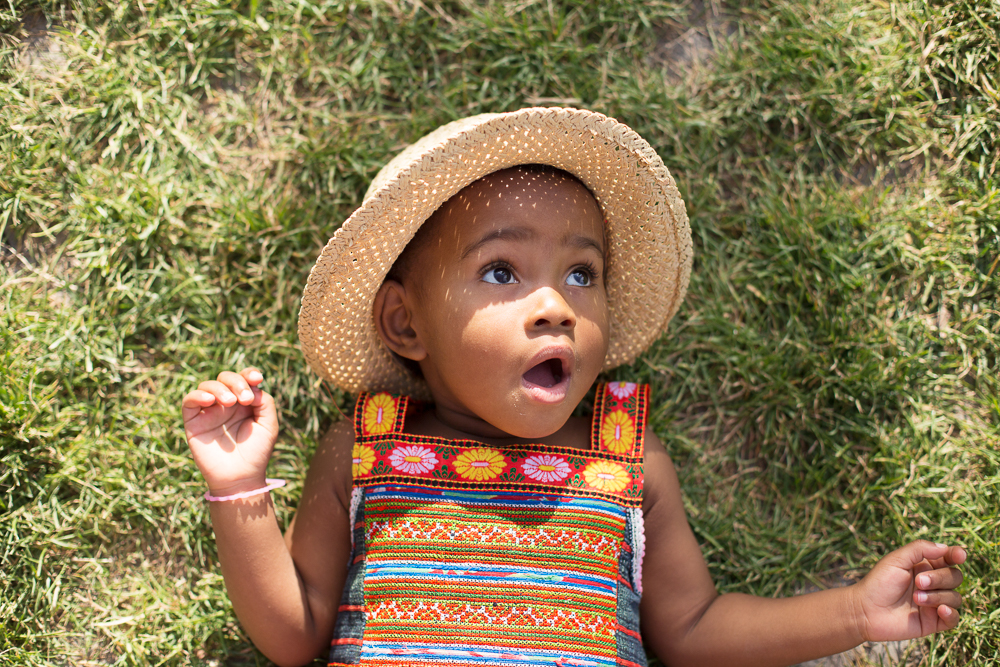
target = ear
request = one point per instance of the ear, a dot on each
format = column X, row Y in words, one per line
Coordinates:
column 394, row 321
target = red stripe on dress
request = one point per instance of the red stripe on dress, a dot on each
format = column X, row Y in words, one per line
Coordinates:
column 346, row 640
column 351, row 607
column 630, row 633
column 628, row 663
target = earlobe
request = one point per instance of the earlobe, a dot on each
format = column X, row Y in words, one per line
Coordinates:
column 394, row 321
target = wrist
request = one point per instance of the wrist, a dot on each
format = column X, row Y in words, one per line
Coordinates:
column 233, row 487
column 855, row 613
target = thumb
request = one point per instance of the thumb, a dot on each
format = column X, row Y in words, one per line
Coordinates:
column 265, row 413
column 914, row 553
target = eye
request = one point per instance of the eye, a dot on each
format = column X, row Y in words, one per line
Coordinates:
column 580, row 277
column 498, row 275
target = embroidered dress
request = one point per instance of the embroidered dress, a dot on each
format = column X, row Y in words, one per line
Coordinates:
column 465, row 554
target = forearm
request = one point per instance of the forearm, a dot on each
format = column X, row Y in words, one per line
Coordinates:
column 744, row 630
column 266, row 591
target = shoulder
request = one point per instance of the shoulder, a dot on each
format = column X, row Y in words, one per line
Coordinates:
column 660, row 484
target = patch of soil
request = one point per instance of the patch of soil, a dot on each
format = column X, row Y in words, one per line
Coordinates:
column 686, row 47
column 38, row 53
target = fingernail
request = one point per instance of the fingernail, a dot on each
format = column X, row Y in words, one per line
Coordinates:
column 921, row 597
column 256, row 377
column 923, row 581
column 229, row 396
column 246, row 395
column 938, row 544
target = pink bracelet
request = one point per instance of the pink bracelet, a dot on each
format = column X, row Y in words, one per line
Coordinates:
column 271, row 484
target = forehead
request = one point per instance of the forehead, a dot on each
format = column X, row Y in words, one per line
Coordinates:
column 534, row 202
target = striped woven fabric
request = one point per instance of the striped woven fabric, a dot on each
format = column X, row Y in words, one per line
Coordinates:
column 468, row 555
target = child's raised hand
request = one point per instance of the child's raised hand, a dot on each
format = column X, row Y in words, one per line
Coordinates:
column 231, row 427
column 911, row 592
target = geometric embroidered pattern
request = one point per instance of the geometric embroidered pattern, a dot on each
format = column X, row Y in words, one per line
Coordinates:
column 467, row 554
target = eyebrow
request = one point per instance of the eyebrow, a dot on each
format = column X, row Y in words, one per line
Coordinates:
column 502, row 234
column 583, row 242
column 524, row 234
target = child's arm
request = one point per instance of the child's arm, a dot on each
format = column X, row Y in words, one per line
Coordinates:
column 285, row 590
column 686, row 622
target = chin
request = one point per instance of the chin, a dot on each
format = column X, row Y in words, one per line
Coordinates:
column 538, row 434
column 536, row 429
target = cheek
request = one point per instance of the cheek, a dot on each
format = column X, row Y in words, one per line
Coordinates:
column 592, row 336
column 596, row 314
column 487, row 329
column 593, row 333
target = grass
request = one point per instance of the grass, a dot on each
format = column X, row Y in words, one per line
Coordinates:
column 170, row 170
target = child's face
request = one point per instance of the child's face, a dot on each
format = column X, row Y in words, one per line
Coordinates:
column 508, row 302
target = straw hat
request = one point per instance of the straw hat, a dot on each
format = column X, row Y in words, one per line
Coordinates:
column 649, row 241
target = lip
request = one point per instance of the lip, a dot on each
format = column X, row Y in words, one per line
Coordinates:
column 556, row 392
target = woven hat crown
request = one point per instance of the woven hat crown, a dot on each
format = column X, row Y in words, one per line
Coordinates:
column 649, row 240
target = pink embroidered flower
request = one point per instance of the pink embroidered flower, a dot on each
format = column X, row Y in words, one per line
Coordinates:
column 621, row 390
column 413, row 460
column 546, row 468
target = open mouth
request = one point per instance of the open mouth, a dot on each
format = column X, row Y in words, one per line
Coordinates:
column 547, row 374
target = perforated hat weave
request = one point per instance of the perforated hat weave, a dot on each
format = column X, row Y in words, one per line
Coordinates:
column 649, row 240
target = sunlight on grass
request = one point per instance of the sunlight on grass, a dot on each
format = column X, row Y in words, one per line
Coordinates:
column 170, row 171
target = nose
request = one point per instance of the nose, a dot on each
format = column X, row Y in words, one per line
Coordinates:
column 550, row 310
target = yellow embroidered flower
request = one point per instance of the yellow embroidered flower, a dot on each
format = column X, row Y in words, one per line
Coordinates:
column 380, row 414
column 617, row 432
column 606, row 476
column 479, row 464
column 363, row 458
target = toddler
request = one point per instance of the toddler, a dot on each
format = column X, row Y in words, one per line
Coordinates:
column 466, row 517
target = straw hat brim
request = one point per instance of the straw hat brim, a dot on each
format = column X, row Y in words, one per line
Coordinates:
column 649, row 240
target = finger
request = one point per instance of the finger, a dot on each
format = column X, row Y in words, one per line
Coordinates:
column 194, row 401
column 938, row 579
column 956, row 556
column 937, row 598
column 238, row 385
column 949, row 616
column 952, row 556
column 221, row 392
column 912, row 554
column 197, row 399
column 252, row 375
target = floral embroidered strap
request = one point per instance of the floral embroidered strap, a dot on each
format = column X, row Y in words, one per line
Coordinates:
column 619, row 418
column 611, row 469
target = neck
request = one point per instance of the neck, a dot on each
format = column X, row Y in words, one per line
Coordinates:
column 453, row 425
column 462, row 425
